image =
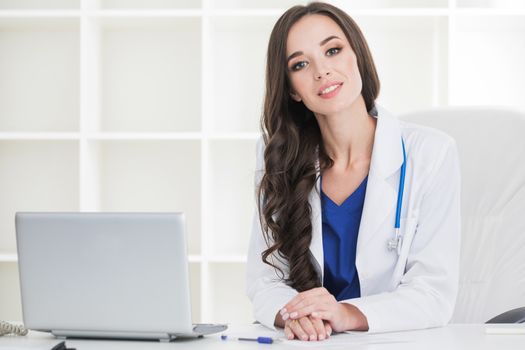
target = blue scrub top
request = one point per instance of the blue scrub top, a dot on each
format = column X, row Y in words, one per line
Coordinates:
column 340, row 230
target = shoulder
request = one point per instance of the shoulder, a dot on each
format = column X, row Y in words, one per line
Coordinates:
column 426, row 145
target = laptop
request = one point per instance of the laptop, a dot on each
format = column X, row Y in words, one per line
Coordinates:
column 106, row 275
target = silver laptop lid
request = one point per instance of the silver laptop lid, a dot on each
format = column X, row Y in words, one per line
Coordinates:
column 104, row 272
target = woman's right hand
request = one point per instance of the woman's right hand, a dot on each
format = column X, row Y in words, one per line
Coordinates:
column 307, row 328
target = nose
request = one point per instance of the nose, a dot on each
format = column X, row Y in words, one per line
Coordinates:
column 324, row 72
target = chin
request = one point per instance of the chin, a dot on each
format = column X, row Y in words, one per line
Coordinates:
column 335, row 108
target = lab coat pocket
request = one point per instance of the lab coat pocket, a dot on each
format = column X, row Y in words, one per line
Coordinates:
column 407, row 228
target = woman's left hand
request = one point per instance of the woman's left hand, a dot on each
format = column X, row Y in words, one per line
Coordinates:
column 319, row 303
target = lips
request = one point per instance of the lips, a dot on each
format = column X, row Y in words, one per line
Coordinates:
column 329, row 90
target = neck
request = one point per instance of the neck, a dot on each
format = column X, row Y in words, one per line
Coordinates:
column 348, row 136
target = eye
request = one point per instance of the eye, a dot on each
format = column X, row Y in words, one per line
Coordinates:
column 298, row 65
column 333, row 51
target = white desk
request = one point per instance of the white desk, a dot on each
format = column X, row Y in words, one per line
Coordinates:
column 452, row 337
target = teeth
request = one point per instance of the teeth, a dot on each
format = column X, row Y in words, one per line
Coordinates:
column 330, row 89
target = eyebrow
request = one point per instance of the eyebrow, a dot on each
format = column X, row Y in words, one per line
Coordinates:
column 299, row 53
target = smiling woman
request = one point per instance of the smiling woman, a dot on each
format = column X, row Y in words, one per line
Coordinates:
column 326, row 172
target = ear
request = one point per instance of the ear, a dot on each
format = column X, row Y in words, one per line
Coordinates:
column 295, row 96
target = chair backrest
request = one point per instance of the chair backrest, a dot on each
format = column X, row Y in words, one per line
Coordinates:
column 491, row 144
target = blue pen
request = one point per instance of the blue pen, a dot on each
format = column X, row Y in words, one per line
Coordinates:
column 260, row 340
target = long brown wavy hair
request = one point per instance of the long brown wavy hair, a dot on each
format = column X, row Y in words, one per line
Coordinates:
column 293, row 146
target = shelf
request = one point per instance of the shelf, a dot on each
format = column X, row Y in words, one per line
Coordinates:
column 415, row 77
column 39, row 136
column 8, row 257
column 491, row 52
column 227, row 259
column 39, row 4
column 151, row 176
column 231, row 170
column 36, row 52
column 150, row 69
column 27, row 14
column 262, row 13
column 492, row 4
column 192, row 259
column 144, row 136
column 276, row 12
column 95, row 136
column 346, row 5
column 151, row 4
column 36, row 176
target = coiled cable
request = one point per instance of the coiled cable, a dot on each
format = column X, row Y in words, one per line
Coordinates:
column 8, row 328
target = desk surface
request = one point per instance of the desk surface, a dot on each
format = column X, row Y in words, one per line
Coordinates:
column 450, row 337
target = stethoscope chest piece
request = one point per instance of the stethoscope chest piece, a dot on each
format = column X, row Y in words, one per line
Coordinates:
column 395, row 243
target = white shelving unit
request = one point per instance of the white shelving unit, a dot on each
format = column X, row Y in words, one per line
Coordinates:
column 135, row 105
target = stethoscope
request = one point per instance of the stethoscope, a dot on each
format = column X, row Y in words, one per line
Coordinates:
column 395, row 243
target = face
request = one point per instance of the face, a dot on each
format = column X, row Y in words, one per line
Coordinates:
column 322, row 66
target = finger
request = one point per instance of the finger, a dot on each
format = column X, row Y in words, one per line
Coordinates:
column 309, row 328
column 319, row 328
column 308, row 305
column 297, row 329
column 323, row 315
column 306, row 310
column 328, row 329
column 288, row 332
column 315, row 292
column 322, row 304
column 291, row 312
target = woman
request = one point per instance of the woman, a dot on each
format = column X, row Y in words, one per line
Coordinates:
column 331, row 173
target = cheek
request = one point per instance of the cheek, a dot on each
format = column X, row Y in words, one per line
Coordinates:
column 296, row 82
column 347, row 64
column 354, row 69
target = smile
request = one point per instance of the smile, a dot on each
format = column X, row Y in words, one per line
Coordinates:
column 330, row 91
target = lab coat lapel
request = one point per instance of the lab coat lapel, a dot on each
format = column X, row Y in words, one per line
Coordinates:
column 381, row 196
column 316, row 245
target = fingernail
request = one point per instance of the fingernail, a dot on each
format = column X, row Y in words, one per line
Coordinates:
column 283, row 311
column 293, row 315
column 285, row 317
column 290, row 336
column 328, row 335
column 312, row 337
column 314, row 314
column 304, row 337
column 321, row 337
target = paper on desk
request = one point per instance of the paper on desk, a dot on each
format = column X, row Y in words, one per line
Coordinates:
column 505, row 328
column 253, row 331
column 26, row 343
column 336, row 340
column 344, row 340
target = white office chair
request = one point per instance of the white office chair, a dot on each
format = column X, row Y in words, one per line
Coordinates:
column 491, row 144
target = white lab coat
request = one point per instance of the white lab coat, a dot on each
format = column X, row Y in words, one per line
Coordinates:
column 414, row 290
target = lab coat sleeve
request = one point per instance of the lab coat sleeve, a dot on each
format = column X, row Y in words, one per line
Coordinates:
column 264, row 287
column 427, row 291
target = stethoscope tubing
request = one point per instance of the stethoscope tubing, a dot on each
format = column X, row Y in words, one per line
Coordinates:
column 401, row 187
column 396, row 242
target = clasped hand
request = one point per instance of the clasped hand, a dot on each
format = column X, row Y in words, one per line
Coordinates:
column 313, row 314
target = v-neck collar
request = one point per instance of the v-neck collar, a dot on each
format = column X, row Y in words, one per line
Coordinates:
column 348, row 203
